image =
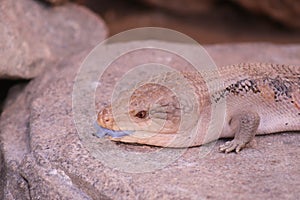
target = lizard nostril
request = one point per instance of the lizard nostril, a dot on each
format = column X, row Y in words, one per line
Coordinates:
column 106, row 119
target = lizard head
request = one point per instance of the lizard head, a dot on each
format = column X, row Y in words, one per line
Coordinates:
column 156, row 113
column 151, row 107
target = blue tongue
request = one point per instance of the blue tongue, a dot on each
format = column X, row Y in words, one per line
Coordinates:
column 101, row 132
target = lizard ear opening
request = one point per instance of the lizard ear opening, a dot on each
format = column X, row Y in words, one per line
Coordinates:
column 142, row 114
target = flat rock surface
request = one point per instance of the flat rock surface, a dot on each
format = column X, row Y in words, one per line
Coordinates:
column 47, row 158
column 34, row 35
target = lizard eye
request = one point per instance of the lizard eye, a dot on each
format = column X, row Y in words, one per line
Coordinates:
column 142, row 114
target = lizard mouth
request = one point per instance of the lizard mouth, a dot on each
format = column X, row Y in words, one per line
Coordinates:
column 102, row 132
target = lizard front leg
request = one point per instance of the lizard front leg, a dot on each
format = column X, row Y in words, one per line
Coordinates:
column 244, row 125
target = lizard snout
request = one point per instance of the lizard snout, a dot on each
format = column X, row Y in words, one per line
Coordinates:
column 105, row 118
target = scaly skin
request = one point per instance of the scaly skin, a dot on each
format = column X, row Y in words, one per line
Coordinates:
column 259, row 99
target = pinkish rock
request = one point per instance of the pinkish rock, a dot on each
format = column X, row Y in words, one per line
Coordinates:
column 34, row 35
column 44, row 158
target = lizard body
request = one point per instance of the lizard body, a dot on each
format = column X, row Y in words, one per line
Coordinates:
column 259, row 99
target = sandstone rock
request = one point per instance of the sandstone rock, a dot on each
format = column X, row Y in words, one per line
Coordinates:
column 56, row 2
column 184, row 7
column 284, row 11
column 43, row 151
column 206, row 28
column 34, row 35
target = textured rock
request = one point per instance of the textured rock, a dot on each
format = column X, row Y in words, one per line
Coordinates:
column 285, row 11
column 34, row 35
column 2, row 172
column 43, row 151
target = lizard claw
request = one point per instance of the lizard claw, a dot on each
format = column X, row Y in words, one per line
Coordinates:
column 230, row 146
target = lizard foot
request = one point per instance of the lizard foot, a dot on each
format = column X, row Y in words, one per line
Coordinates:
column 244, row 125
column 230, row 146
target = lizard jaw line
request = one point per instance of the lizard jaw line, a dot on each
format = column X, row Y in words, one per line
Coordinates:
column 102, row 132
